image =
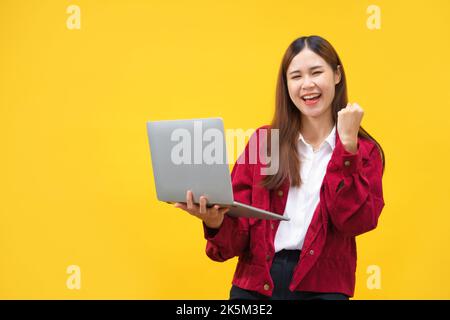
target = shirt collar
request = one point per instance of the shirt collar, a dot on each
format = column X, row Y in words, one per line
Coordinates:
column 331, row 139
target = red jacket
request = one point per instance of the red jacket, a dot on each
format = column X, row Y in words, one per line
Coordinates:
column 328, row 259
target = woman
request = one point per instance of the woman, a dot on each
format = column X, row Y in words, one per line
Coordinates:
column 329, row 183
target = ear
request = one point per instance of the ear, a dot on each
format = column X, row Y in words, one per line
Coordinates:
column 337, row 75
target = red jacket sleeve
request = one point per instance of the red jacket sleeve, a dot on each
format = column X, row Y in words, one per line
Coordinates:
column 352, row 189
column 232, row 238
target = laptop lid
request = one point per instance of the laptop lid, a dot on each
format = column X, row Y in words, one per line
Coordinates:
column 190, row 155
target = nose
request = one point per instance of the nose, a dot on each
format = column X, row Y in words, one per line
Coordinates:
column 308, row 82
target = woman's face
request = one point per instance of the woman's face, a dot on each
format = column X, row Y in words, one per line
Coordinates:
column 311, row 83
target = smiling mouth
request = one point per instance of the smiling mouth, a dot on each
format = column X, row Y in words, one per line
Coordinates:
column 311, row 99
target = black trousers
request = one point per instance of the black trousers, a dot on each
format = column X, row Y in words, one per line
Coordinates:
column 282, row 269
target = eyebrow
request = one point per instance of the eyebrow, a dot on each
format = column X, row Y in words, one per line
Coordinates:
column 312, row 68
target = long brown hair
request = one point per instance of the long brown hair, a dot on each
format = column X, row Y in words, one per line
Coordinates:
column 287, row 117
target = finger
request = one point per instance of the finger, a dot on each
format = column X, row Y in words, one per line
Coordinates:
column 214, row 210
column 189, row 200
column 180, row 205
column 224, row 210
column 203, row 205
column 220, row 210
column 183, row 206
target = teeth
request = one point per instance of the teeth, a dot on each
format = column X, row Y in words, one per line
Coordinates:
column 311, row 96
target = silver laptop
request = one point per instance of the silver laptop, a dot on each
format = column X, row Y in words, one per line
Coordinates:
column 191, row 155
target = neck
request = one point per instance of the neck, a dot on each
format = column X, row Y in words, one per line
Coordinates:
column 315, row 130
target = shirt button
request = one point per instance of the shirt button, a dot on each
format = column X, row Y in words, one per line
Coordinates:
column 272, row 226
column 280, row 193
column 266, row 287
column 347, row 163
column 268, row 257
column 311, row 252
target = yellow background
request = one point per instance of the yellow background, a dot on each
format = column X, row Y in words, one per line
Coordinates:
column 76, row 180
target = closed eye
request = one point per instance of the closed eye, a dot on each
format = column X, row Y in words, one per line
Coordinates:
column 314, row 73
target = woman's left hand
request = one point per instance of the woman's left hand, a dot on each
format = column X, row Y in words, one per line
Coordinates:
column 348, row 123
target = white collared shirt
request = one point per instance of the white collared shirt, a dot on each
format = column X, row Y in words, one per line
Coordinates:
column 302, row 201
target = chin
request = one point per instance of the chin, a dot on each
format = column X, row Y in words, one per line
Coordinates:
column 312, row 113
